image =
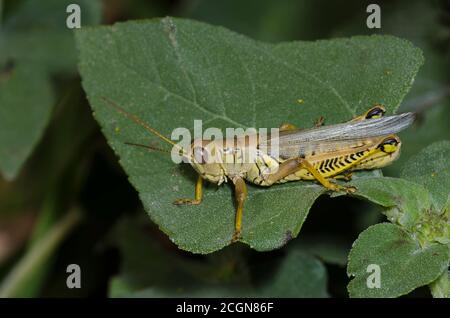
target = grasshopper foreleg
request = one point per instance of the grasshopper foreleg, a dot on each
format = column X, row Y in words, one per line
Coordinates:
column 198, row 195
column 319, row 121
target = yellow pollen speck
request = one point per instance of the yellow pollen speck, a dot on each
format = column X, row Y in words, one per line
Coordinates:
column 433, row 174
column 117, row 130
column 300, row 101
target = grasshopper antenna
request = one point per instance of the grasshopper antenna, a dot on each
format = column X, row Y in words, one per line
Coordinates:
column 142, row 123
column 147, row 147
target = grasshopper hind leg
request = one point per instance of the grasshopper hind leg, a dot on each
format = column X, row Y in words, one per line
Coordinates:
column 240, row 194
column 291, row 166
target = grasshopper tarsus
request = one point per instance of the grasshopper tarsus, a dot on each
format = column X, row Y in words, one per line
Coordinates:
column 187, row 202
column 338, row 188
column 236, row 236
column 198, row 195
column 350, row 189
column 347, row 176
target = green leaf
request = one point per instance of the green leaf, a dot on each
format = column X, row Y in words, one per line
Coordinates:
column 407, row 204
column 405, row 201
column 148, row 270
column 34, row 43
column 329, row 250
column 37, row 32
column 440, row 288
column 25, row 102
column 431, row 168
column 281, row 20
column 299, row 275
column 172, row 71
column 40, row 174
column 404, row 264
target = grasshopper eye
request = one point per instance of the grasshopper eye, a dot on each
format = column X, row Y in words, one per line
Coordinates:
column 376, row 112
column 200, row 155
column 389, row 145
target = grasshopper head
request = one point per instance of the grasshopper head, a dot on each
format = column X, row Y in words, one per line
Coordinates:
column 388, row 151
column 390, row 145
column 206, row 161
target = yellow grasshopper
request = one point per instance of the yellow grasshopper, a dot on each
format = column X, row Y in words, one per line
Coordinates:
column 367, row 141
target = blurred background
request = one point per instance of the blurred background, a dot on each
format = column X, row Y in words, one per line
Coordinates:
column 64, row 199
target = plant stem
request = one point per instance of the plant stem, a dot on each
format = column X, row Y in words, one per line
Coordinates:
column 39, row 253
column 426, row 101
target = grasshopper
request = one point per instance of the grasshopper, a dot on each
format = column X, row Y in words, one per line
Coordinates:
column 320, row 153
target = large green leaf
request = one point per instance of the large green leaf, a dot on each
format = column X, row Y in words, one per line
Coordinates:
column 404, row 265
column 172, row 71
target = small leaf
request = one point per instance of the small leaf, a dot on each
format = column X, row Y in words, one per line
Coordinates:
column 25, row 102
column 405, row 201
column 170, row 71
column 431, row 168
column 440, row 288
column 407, row 204
column 34, row 44
column 403, row 263
column 37, row 32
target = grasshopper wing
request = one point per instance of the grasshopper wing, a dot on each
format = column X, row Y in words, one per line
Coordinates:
column 332, row 137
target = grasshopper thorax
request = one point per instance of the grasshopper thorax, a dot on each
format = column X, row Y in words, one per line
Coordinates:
column 205, row 159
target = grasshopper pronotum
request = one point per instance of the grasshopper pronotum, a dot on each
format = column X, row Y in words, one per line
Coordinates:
column 365, row 142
